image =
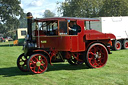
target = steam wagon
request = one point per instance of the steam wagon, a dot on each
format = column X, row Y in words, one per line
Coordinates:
column 58, row 39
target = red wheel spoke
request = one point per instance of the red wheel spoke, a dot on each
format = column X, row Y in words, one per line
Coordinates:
column 91, row 53
column 100, row 62
column 95, row 62
column 41, row 59
column 43, row 65
column 99, row 48
column 40, row 69
column 36, row 58
column 33, row 68
column 33, row 62
column 95, row 49
column 90, row 59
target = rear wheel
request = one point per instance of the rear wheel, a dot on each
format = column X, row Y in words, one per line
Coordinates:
column 22, row 62
column 96, row 56
column 73, row 60
column 125, row 44
column 117, row 45
column 37, row 63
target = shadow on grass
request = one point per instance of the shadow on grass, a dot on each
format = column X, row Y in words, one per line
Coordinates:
column 7, row 45
column 56, row 67
column 14, row 71
column 11, row 71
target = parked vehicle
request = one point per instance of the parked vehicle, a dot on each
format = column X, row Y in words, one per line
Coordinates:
column 53, row 41
column 115, row 25
column 21, row 34
column 8, row 39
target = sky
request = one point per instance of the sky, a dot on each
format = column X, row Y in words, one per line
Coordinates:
column 37, row 7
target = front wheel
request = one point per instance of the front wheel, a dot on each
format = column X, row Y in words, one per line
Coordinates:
column 96, row 56
column 37, row 63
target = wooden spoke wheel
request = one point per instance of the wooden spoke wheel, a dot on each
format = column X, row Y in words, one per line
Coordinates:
column 96, row 56
column 22, row 62
column 73, row 61
column 125, row 44
column 37, row 63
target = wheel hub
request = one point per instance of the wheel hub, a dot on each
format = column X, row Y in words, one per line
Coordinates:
column 38, row 63
column 118, row 45
column 97, row 55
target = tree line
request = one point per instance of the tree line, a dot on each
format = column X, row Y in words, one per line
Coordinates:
column 10, row 10
column 93, row 8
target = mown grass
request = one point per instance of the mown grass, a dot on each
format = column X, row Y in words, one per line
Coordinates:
column 114, row 73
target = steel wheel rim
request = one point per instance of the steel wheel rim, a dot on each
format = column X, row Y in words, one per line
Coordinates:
column 97, row 56
column 38, row 64
column 22, row 63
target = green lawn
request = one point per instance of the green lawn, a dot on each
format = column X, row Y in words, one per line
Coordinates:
column 114, row 73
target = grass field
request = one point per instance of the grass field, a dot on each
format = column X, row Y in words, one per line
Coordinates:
column 114, row 73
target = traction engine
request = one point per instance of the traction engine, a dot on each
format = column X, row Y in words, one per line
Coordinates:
column 57, row 39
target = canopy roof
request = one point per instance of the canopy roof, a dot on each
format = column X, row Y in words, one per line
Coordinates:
column 65, row 18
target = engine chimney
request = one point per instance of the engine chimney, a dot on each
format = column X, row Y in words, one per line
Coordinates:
column 29, row 25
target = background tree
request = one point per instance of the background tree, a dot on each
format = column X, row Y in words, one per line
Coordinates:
column 93, row 8
column 48, row 13
column 23, row 21
column 81, row 8
column 114, row 8
column 9, row 10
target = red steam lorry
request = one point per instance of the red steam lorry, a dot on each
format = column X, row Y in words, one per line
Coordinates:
column 63, row 38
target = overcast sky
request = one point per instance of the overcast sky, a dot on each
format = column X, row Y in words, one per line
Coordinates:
column 37, row 7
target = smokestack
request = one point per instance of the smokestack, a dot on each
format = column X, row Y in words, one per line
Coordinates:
column 29, row 24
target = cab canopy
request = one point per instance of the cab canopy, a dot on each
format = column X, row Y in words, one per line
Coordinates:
column 65, row 18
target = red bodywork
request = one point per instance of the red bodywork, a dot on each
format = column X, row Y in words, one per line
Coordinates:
column 72, row 43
